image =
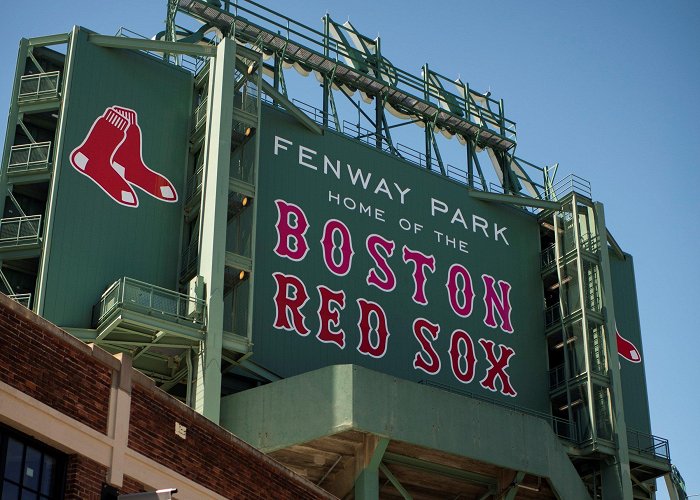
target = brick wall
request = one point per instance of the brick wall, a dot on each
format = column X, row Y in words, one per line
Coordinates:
column 209, row 455
column 85, row 478
column 49, row 365
column 38, row 359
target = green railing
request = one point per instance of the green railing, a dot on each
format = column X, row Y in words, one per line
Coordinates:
column 194, row 184
column 654, row 446
column 131, row 294
column 39, row 86
column 557, row 377
column 189, row 259
column 590, row 242
column 200, row 114
column 572, row 183
column 191, row 63
column 648, row 444
column 16, row 231
column 547, row 256
column 552, row 315
column 29, row 157
column 257, row 24
column 22, row 298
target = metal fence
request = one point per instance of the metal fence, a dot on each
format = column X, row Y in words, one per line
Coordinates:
column 22, row 298
column 648, row 444
column 200, row 113
column 20, row 230
column 29, row 157
column 39, row 86
column 129, row 293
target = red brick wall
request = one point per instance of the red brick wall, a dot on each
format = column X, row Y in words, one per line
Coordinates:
column 49, row 365
column 84, row 480
column 37, row 359
column 209, row 455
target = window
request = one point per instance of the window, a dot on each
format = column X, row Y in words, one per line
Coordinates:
column 30, row 470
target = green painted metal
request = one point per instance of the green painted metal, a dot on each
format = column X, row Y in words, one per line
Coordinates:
column 12, row 118
column 212, row 252
column 323, row 196
column 513, row 490
column 43, row 41
column 337, row 398
column 120, row 42
column 632, row 375
column 618, row 407
column 440, row 469
column 291, row 108
column 395, row 482
column 91, row 241
column 367, row 482
column 511, row 199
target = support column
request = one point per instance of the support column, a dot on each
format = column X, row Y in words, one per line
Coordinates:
column 618, row 413
column 212, row 249
column 367, row 482
column 119, row 415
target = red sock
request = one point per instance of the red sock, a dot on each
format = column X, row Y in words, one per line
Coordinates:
column 128, row 160
column 627, row 350
column 93, row 157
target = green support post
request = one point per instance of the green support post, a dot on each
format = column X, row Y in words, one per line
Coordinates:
column 68, row 69
column 618, row 415
column 367, row 482
column 12, row 119
column 213, row 228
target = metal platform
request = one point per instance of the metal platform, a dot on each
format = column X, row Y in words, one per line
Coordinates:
column 408, row 95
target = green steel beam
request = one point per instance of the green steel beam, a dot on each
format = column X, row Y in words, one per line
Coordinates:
column 619, row 425
column 367, row 483
column 443, row 470
column 213, row 225
column 613, row 244
column 240, row 262
column 242, row 187
column 523, row 201
column 43, row 41
column 397, row 484
column 236, row 343
column 339, row 398
column 510, row 495
column 292, row 108
column 12, row 117
column 120, row 42
column 58, row 145
column 258, row 370
column 284, row 101
column 49, row 104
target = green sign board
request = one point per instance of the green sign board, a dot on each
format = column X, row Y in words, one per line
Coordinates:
column 629, row 344
column 119, row 181
column 364, row 258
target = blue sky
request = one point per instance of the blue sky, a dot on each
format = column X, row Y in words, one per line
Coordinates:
column 609, row 90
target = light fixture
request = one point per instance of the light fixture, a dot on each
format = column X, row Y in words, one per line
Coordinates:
column 241, row 275
column 244, row 201
column 574, row 403
column 561, row 344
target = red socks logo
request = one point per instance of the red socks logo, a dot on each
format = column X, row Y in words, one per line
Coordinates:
column 111, row 157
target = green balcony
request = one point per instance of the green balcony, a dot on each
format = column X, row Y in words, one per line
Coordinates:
column 20, row 234
column 24, row 299
column 30, row 160
column 151, row 301
column 39, row 87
